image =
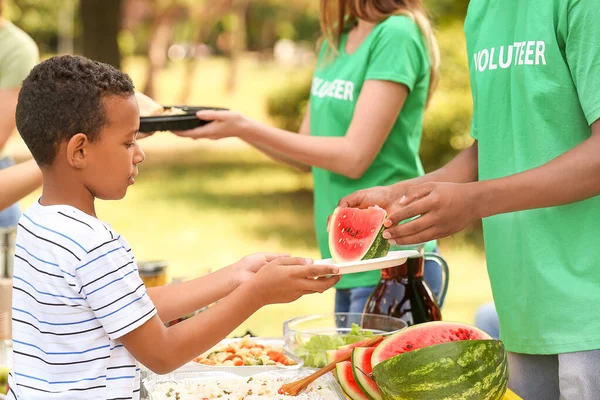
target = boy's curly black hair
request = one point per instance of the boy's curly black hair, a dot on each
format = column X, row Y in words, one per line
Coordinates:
column 63, row 96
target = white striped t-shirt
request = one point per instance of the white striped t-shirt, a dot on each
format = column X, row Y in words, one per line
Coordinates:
column 76, row 291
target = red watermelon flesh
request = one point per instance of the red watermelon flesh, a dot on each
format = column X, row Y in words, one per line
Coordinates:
column 425, row 335
column 355, row 234
column 361, row 365
column 347, row 382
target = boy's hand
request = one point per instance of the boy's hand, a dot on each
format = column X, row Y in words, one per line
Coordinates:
column 288, row 278
column 248, row 266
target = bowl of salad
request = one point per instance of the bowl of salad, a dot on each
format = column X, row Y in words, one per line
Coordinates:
column 310, row 337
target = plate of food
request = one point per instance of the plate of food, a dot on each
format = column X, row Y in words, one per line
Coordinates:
column 245, row 357
column 155, row 117
column 392, row 259
column 223, row 386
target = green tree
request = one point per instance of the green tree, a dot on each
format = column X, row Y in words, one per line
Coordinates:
column 100, row 34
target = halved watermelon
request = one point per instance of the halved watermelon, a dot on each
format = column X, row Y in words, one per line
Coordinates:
column 346, row 378
column 424, row 335
column 361, row 366
column 466, row 369
column 356, row 234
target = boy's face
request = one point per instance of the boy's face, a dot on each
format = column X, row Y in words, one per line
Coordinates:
column 112, row 159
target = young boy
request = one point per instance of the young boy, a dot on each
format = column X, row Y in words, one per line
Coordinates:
column 81, row 314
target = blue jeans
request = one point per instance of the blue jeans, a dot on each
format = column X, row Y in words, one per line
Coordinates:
column 486, row 319
column 9, row 216
column 566, row 376
column 354, row 300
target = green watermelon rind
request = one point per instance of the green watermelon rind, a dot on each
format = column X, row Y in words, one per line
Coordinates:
column 359, row 377
column 355, row 393
column 419, row 331
column 379, row 247
column 468, row 369
column 332, row 355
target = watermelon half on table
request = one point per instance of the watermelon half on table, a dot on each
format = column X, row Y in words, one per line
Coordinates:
column 440, row 360
column 356, row 234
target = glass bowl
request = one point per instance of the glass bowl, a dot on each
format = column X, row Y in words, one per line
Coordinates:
column 311, row 336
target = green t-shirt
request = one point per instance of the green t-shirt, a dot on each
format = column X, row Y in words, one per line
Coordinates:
column 18, row 55
column 393, row 51
column 535, row 77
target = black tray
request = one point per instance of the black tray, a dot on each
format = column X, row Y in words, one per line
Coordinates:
column 180, row 122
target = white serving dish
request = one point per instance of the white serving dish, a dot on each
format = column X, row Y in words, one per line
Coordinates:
column 244, row 370
column 151, row 386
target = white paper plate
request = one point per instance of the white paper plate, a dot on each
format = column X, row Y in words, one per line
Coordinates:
column 393, row 258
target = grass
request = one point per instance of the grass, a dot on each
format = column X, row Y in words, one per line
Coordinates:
column 202, row 206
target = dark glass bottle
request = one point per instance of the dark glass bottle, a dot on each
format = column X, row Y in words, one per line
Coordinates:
column 403, row 293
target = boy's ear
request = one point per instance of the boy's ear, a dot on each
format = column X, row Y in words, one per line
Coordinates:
column 77, row 149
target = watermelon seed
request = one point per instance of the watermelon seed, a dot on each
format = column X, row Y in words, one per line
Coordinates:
column 340, row 241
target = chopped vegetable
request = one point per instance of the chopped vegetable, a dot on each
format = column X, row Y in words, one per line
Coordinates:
column 245, row 352
column 313, row 351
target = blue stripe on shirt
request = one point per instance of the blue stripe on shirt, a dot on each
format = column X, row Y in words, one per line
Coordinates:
column 120, row 377
column 53, row 231
column 44, row 261
column 59, row 382
column 126, row 305
column 46, row 293
column 110, row 283
column 52, row 323
column 59, row 353
column 103, row 255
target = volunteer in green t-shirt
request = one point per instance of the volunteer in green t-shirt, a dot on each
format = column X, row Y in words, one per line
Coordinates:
column 533, row 175
column 18, row 54
column 364, row 121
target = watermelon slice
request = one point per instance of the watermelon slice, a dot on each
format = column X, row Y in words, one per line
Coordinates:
column 346, row 378
column 361, row 367
column 424, row 335
column 355, row 234
column 342, row 351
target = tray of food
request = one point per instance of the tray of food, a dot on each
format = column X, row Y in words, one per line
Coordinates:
column 155, row 117
column 245, row 356
column 180, row 385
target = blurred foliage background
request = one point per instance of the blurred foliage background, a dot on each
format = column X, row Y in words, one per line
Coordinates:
column 202, row 205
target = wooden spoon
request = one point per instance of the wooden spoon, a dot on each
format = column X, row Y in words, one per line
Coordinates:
column 294, row 388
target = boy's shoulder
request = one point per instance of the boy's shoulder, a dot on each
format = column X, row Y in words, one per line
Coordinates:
column 66, row 226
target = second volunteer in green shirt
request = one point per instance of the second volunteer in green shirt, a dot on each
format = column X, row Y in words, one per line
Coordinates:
column 363, row 125
column 533, row 175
